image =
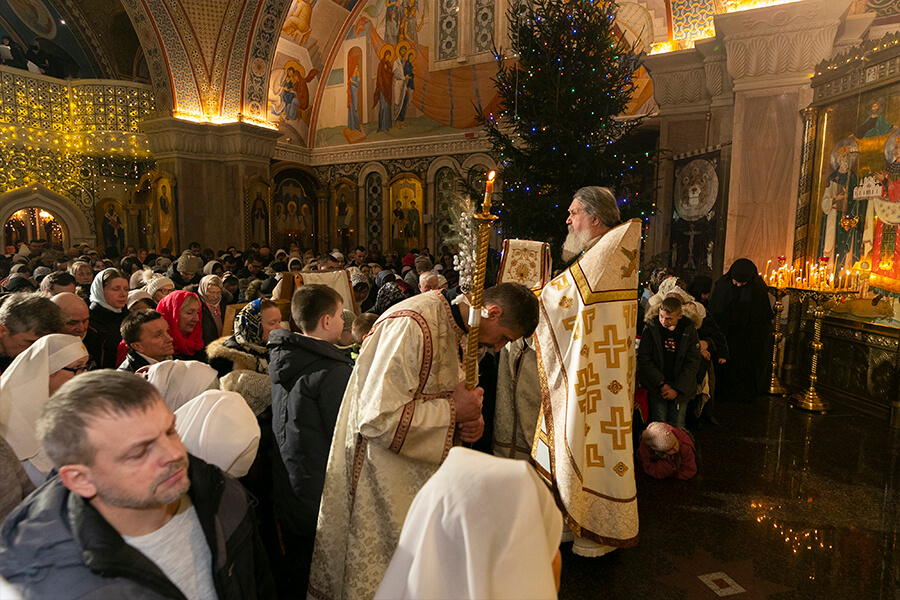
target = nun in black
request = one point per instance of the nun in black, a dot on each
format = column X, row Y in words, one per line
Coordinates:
column 741, row 307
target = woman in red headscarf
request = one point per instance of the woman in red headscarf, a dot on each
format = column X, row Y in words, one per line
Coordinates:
column 181, row 310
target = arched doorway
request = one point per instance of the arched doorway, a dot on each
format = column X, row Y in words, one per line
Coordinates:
column 73, row 226
column 33, row 223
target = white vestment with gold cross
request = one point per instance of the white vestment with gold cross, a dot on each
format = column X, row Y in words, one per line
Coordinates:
column 586, row 362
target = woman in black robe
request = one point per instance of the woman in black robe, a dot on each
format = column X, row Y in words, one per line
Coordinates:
column 741, row 307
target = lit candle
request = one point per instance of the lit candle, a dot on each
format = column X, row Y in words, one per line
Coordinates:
column 769, row 262
column 488, row 190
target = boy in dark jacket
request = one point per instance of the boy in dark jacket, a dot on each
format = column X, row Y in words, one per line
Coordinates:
column 309, row 374
column 668, row 360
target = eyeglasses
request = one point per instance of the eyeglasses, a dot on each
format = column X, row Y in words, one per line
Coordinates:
column 75, row 370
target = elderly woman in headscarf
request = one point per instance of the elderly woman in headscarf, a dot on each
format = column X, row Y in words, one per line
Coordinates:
column 213, row 267
column 246, row 348
column 740, row 305
column 181, row 310
column 108, row 299
column 221, row 429
column 481, row 527
column 25, row 388
column 212, row 307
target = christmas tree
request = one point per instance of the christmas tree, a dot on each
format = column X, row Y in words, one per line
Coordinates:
column 562, row 87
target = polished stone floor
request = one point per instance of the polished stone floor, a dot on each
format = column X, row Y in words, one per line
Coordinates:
column 787, row 505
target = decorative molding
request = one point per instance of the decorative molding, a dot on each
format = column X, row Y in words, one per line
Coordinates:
column 170, row 137
column 779, row 45
column 869, row 65
column 383, row 151
column 679, row 79
column 153, row 54
column 270, row 17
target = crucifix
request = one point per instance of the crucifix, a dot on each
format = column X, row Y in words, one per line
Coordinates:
column 691, row 233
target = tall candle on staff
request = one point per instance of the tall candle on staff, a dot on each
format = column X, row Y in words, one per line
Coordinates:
column 488, row 190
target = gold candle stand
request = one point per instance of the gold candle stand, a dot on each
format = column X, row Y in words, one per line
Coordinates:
column 776, row 388
column 810, row 399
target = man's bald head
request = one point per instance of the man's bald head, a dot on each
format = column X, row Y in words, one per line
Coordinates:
column 74, row 312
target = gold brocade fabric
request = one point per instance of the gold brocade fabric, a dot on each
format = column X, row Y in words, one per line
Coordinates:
column 586, row 364
column 394, row 429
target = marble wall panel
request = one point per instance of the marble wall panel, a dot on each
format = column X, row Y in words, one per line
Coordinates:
column 762, row 194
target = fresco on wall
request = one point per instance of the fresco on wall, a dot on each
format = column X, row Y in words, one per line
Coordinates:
column 379, row 86
column 344, row 217
column 309, row 31
column 293, row 211
column 405, row 215
column 858, row 192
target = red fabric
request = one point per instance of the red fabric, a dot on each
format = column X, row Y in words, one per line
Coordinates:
column 681, row 466
column 121, row 352
column 169, row 307
column 409, row 260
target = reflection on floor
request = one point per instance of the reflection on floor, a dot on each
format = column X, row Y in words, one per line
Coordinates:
column 788, row 505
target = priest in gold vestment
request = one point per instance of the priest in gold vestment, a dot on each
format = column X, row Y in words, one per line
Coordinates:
column 404, row 402
column 586, row 364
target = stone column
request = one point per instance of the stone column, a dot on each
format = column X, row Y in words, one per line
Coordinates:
column 211, row 164
column 771, row 54
column 131, row 220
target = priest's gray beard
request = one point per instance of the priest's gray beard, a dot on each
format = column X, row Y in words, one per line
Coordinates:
column 575, row 244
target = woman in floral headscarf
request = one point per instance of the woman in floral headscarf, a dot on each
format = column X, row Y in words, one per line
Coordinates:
column 246, row 349
column 182, row 312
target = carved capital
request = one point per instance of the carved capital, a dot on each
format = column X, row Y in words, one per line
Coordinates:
column 781, row 44
column 229, row 142
column 679, row 80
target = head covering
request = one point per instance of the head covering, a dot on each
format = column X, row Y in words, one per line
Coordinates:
column 136, row 296
column 207, row 282
column 19, row 283
column 248, row 328
column 25, row 389
column 442, row 281
column 221, row 429
column 389, row 295
column 170, row 307
column 382, row 275
column 280, row 251
column 256, row 388
column 292, row 261
column 188, row 263
column 348, row 316
column 164, row 262
column 97, row 293
column 481, row 527
column 409, row 260
column 658, row 436
column 423, row 263
column 20, row 268
column 692, row 309
column 208, row 267
column 178, row 381
column 138, row 278
column 157, row 283
column 743, row 270
column 699, row 286
column 40, row 273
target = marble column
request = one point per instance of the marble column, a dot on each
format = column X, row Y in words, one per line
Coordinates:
column 771, row 54
column 211, row 164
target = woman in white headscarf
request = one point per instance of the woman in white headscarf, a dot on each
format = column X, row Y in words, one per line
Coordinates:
column 25, row 388
column 109, row 296
column 221, row 429
column 212, row 308
column 178, row 381
column 481, row 527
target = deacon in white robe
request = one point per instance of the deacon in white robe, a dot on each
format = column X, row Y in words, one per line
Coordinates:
column 586, row 362
column 404, row 402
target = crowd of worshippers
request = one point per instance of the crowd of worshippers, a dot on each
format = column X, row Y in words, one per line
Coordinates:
column 35, row 59
column 124, row 398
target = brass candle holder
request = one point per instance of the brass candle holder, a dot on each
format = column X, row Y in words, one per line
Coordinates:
column 810, row 399
column 776, row 388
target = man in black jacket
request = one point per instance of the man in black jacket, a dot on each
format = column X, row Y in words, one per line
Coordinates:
column 146, row 335
column 130, row 514
column 309, row 374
